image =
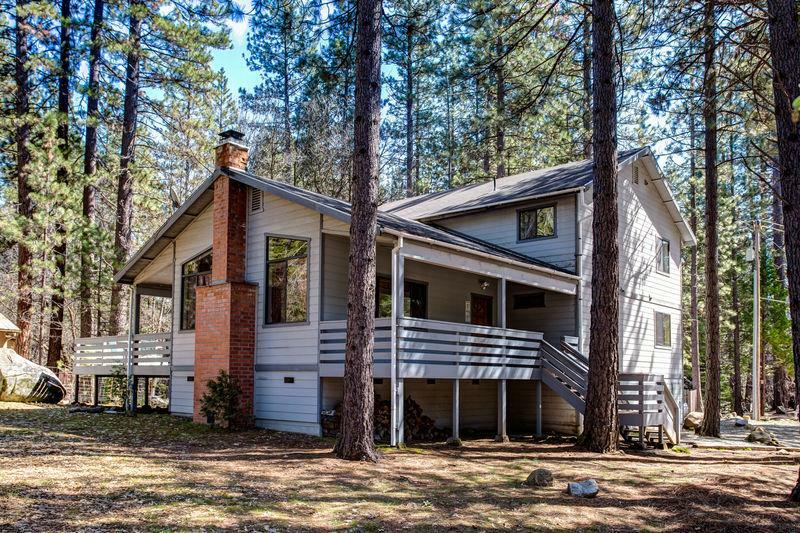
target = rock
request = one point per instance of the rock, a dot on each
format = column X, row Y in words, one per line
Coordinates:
column 693, row 420
column 25, row 381
column 740, row 422
column 455, row 443
column 584, row 489
column 541, row 477
column 762, row 436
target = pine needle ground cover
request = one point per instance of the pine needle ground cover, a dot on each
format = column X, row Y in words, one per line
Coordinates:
column 62, row 471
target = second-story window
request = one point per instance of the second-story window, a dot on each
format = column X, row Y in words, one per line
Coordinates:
column 287, row 280
column 536, row 223
column 194, row 273
column 662, row 259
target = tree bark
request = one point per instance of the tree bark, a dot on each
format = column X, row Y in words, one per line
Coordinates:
column 711, row 417
column 694, row 331
column 500, row 106
column 586, row 68
column 55, row 341
column 124, row 218
column 778, row 241
column 784, row 41
column 600, row 426
column 25, row 205
column 356, row 437
column 89, row 169
column 409, row 97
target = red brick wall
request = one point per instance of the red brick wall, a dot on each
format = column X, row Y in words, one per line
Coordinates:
column 225, row 339
column 229, row 230
column 226, row 309
column 231, row 155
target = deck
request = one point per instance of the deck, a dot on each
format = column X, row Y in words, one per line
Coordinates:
column 148, row 355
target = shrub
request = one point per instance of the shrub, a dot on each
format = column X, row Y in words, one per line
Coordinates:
column 221, row 402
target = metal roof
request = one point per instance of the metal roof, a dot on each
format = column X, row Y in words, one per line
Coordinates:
column 511, row 189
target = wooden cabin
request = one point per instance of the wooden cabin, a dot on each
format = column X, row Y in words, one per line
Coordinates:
column 482, row 306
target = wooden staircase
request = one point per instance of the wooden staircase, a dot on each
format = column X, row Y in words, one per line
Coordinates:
column 647, row 410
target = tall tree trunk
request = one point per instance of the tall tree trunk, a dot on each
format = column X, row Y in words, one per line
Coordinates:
column 586, row 67
column 124, row 218
column 784, row 43
column 694, row 332
column 780, row 392
column 600, row 426
column 711, row 416
column 409, row 98
column 56, row 334
column 89, row 169
column 500, row 106
column 25, row 206
column 356, row 438
column 736, row 356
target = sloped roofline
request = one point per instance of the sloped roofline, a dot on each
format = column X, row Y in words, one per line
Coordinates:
column 338, row 209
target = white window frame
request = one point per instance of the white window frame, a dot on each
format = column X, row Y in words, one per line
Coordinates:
column 658, row 326
column 660, row 257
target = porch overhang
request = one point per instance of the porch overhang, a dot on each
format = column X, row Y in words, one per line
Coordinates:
column 437, row 253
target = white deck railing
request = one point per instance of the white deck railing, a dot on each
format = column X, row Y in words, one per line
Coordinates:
column 105, row 355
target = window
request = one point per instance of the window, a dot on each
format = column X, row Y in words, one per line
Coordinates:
column 537, row 222
column 287, row 280
column 529, row 301
column 662, row 260
column 415, row 302
column 663, row 330
column 194, row 273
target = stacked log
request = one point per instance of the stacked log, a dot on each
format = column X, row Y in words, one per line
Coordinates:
column 418, row 426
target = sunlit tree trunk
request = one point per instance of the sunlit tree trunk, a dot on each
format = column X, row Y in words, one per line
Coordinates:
column 711, row 415
column 356, row 436
column 600, row 426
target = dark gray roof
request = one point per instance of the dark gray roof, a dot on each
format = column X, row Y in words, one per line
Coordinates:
column 511, row 189
column 386, row 221
column 333, row 207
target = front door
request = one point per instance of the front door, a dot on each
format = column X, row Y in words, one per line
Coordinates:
column 480, row 310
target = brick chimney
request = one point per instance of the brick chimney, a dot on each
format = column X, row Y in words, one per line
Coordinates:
column 226, row 309
column 231, row 152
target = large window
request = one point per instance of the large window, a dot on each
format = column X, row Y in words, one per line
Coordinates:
column 537, row 223
column 663, row 330
column 194, row 273
column 662, row 259
column 415, row 301
column 287, row 280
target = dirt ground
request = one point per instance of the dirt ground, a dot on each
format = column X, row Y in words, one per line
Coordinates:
column 61, row 471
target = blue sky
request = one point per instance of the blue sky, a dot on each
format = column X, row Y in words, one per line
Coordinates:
column 232, row 60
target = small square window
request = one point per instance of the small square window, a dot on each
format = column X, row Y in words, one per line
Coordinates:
column 662, row 257
column 663, row 333
column 536, row 223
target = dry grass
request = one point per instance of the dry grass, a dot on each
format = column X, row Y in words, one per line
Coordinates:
column 61, row 471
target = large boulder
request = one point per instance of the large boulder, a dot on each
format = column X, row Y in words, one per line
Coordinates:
column 693, row 420
column 762, row 436
column 541, row 477
column 25, row 381
column 584, row 489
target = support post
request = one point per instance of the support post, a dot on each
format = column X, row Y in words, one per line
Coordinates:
column 538, row 408
column 502, row 396
column 400, row 399
column 755, row 413
column 455, row 439
column 501, row 304
column 77, row 389
column 146, row 402
column 134, row 392
column 96, row 390
column 130, row 384
column 397, row 396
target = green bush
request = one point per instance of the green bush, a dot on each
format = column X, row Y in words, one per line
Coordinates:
column 221, row 404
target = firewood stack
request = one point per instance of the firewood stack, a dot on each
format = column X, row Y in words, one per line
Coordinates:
column 418, row 426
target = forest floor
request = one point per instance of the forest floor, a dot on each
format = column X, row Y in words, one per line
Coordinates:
column 62, row 471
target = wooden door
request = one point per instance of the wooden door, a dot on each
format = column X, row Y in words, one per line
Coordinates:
column 480, row 310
